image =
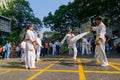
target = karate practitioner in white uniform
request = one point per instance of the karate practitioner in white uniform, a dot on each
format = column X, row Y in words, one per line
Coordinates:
column 71, row 40
column 39, row 46
column 100, row 41
column 30, row 48
column 23, row 51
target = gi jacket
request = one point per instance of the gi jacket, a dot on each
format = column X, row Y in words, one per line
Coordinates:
column 30, row 38
column 101, row 31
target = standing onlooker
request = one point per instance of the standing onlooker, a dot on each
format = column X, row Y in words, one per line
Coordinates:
column 43, row 49
column 93, row 46
column 106, row 44
column 23, row 51
column 13, row 48
column 89, row 46
column 30, row 48
column 7, row 50
column 54, row 49
column 78, row 46
column 51, row 49
column 4, row 51
column 46, row 47
column 1, row 51
column 58, row 47
column 84, row 46
column 17, row 51
column 39, row 46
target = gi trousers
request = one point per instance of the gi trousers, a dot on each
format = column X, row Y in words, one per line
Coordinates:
column 30, row 59
column 100, row 53
column 23, row 56
column 38, row 52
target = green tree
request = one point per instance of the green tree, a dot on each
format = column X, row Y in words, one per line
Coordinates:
column 21, row 15
column 80, row 11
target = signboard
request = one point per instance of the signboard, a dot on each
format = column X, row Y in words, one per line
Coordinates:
column 5, row 25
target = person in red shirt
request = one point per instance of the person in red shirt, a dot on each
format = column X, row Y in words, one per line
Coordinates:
column 46, row 47
column 1, row 51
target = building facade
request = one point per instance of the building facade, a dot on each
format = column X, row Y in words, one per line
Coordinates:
column 5, row 27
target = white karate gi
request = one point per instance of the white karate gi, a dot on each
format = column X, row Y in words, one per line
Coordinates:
column 100, row 49
column 54, row 49
column 71, row 40
column 84, row 46
column 30, row 57
column 23, row 47
column 39, row 45
column 89, row 47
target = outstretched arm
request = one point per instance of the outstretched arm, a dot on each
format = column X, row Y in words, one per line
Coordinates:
column 92, row 28
column 64, row 39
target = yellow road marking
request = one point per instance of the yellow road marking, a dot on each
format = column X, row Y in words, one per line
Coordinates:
column 5, row 72
column 115, row 63
column 45, row 62
column 62, row 71
column 81, row 70
column 86, row 71
column 43, row 70
column 85, row 59
column 56, row 63
column 113, row 66
column 102, row 72
column 18, row 69
column 71, row 71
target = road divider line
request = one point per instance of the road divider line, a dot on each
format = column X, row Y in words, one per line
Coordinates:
column 115, row 63
column 5, row 72
column 43, row 70
column 72, row 71
column 85, row 59
column 102, row 72
column 113, row 66
column 81, row 70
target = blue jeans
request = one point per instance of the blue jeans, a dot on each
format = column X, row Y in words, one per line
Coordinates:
column 51, row 50
column 7, row 54
column 107, row 48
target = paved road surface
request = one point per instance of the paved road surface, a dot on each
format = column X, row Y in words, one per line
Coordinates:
column 63, row 68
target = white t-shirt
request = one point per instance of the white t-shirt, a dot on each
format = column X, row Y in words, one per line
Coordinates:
column 17, row 49
column 23, row 45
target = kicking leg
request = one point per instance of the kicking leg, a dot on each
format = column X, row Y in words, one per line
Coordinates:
column 75, row 53
column 76, row 38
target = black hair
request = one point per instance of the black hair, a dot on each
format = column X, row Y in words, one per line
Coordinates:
column 98, row 18
column 69, row 30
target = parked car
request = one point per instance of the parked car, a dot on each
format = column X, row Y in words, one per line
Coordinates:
column 117, row 44
column 118, row 47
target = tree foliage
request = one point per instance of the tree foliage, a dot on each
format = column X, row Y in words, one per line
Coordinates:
column 79, row 11
column 21, row 15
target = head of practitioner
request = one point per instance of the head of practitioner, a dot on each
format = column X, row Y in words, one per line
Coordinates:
column 30, row 27
column 98, row 20
column 38, row 35
column 69, row 31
